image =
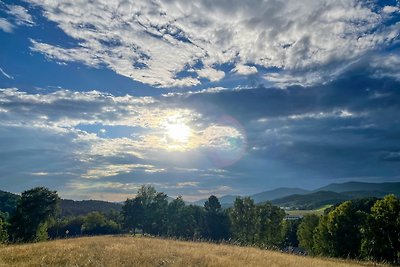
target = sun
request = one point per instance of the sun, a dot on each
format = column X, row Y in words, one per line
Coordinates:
column 178, row 132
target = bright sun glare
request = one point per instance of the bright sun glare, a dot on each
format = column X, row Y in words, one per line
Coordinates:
column 178, row 132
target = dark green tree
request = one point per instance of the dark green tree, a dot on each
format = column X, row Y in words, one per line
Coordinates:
column 305, row 232
column 176, row 220
column 157, row 214
column 244, row 221
column 96, row 223
column 147, row 194
column 66, row 227
column 323, row 244
column 36, row 209
column 132, row 214
column 197, row 213
column 3, row 232
column 216, row 220
column 339, row 232
column 269, row 218
column 381, row 239
column 212, row 204
column 289, row 233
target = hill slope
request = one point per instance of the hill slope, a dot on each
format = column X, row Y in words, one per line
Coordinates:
column 137, row 251
column 228, row 200
column 383, row 188
column 312, row 200
column 8, row 202
column 83, row 207
column 278, row 193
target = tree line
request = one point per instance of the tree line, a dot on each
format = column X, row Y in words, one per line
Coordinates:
column 360, row 229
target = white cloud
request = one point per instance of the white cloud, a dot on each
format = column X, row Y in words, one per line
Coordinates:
column 21, row 15
column 6, row 75
column 218, row 191
column 244, row 69
column 386, row 66
column 153, row 42
column 6, row 26
column 116, row 169
column 211, row 74
column 391, row 9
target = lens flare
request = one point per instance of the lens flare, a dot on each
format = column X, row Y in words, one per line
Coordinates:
column 231, row 146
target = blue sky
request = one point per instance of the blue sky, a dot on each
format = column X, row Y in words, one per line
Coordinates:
column 197, row 98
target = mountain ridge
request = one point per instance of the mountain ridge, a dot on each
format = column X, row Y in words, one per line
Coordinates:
column 283, row 196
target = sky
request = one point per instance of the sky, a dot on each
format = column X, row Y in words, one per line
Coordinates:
column 197, row 97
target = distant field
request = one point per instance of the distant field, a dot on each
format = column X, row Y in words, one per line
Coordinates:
column 139, row 251
column 319, row 211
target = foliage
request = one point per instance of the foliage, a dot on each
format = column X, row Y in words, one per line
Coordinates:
column 244, row 220
column 8, row 202
column 382, row 233
column 178, row 224
column 76, row 208
column 156, row 214
column 36, row 208
column 132, row 213
column 311, row 201
column 269, row 219
column 338, row 233
column 66, row 227
column 3, row 232
column 96, row 223
column 41, row 232
column 289, row 233
column 305, row 232
column 216, row 220
column 253, row 224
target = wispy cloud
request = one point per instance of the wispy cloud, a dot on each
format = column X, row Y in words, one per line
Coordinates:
column 6, row 26
column 20, row 14
column 6, row 75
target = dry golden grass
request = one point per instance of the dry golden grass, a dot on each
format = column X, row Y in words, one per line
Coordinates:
column 140, row 251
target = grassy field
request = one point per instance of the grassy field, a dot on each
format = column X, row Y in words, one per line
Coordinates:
column 140, row 251
column 319, row 211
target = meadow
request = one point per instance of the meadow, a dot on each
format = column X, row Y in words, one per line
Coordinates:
column 146, row 251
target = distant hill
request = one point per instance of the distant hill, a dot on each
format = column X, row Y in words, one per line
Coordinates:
column 311, row 201
column 8, row 202
column 385, row 188
column 284, row 196
column 224, row 200
column 228, row 200
column 365, row 194
column 338, row 192
column 278, row 193
column 83, row 207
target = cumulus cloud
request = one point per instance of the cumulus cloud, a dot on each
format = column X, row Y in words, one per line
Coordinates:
column 175, row 43
column 244, row 70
